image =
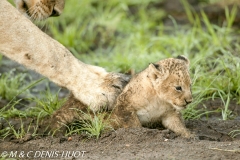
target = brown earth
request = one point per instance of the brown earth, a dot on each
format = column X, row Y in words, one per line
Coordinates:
column 213, row 142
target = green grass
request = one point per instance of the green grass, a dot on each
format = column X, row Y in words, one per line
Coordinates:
column 92, row 125
column 9, row 109
column 234, row 133
column 21, row 132
column 12, row 112
column 46, row 104
column 11, row 84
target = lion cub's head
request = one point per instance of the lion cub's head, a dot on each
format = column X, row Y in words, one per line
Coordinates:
column 171, row 80
column 40, row 9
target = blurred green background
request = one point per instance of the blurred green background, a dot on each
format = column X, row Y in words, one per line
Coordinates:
column 126, row 35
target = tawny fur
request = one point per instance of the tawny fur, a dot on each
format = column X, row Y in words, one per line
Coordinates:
column 40, row 9
column 152, row 96
column 22, row 41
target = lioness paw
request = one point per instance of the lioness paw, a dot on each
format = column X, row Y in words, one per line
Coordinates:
column 112, row 86
column 102, row 92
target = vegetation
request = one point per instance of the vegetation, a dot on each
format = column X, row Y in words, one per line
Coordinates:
column 11, row 85
column 46, row 105
column 22, row 131
column 90, row 124
column 234, row 133
column 126, row 35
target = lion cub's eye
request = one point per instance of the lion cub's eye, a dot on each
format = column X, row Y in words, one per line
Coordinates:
column 178, row 88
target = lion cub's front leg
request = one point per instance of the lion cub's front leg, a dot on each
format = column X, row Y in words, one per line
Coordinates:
column 124, row 117
column 174, row 122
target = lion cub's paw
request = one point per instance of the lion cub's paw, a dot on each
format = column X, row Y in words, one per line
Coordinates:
column 190, row 136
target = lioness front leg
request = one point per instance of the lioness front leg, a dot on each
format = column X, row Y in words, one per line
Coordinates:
column 174, row 122
column 22, row 41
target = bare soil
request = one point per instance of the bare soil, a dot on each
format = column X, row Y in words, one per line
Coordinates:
column 137, row 143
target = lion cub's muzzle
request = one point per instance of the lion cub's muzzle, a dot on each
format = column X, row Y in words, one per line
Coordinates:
column 188, row 100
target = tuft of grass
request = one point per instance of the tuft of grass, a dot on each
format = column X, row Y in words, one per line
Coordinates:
column 47, row 104
column 11, row 84
column 10, row 111
column 234, row 133
column 92, row 125
column 21, row 132
column 226, row 113
column 195, row 112
column 5, row 132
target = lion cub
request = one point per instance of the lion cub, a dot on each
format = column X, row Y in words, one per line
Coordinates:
column 156, row 95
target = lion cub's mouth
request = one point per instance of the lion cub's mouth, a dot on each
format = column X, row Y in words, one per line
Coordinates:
column 179, row 108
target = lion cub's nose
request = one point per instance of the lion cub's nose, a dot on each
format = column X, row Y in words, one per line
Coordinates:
column 55, row 13
column 188, row 100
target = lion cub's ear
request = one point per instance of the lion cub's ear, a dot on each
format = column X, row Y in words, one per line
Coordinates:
column 156, row 71
column 185, row 59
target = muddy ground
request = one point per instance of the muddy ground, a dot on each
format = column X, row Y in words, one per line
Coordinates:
column 212, row 140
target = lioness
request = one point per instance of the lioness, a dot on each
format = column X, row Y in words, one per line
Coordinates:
column 40, row 9
column 155, row 95
column 22, row 41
